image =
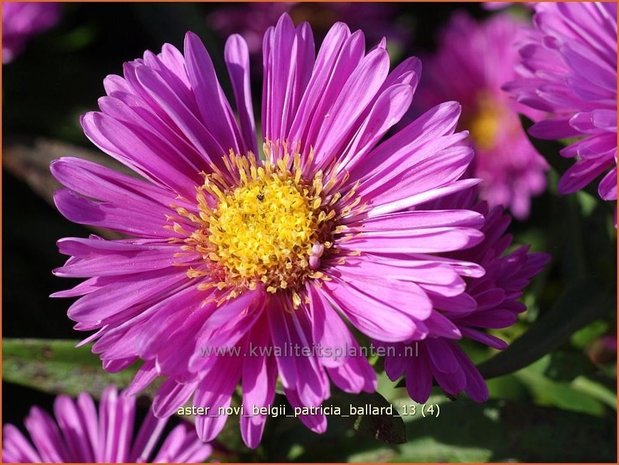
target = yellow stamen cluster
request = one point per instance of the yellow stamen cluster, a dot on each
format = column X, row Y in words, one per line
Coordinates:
column 269, row 226
column 261, row 224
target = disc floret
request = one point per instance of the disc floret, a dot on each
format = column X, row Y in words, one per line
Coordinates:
column 262, row 223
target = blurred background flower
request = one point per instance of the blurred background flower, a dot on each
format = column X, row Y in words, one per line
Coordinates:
column 491, row 6
column 569, row 71
column 21, row 20
column 603, row 349
column 473, row 61
column 81, row 434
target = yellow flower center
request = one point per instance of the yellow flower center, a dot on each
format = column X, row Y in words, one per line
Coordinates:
column 266, row 228
column 263, row 224
column 486, row 122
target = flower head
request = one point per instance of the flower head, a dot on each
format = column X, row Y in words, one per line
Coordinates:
column 21, row 20
column 473, row 62
column 569, row 70
column 80, row 434
column 232, row 257
column 489, row 302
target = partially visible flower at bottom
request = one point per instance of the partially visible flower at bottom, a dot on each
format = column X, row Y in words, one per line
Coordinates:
column 22, row 20
column 80, row 434
column 490, row 302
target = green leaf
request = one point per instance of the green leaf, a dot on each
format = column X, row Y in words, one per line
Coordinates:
column 57, row 366
column 507, row 387
column 561, row 395
column 503, row 431
column 585, row 336
column 596, row 390
column 80, row 37
column 579, row 305
column 373, row 416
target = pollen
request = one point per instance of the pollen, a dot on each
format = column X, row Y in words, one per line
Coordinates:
column 263, row 224
column 266, row 222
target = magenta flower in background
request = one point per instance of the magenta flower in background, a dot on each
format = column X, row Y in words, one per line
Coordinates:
column 603, row 349
column 227, row 251
column 492, row 6
column 489, row 302
column 21, row 20
column 251, row 20
column 569, row 70
column 80, row 434
column 474, row 60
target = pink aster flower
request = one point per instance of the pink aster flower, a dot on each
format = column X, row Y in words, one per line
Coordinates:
column 80, row 434
column 569, row 70
column 473, row 62
column 251, row 20
column 489, row 302
column 232, row 258
column 21, row 20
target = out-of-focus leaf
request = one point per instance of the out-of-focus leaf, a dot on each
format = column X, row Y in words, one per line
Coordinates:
column 506, row 387
column 596, row 390
column 561, row 395
column 77, row 39
column 29, row 161
column 387, row 388
column 57, row 366
column 582, row 338
column 554, row 381
column 503, row 431
column 579, row 305
column 385, row 427
column 587, row 202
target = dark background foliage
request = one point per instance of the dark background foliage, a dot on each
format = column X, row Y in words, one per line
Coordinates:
column 552, row 397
